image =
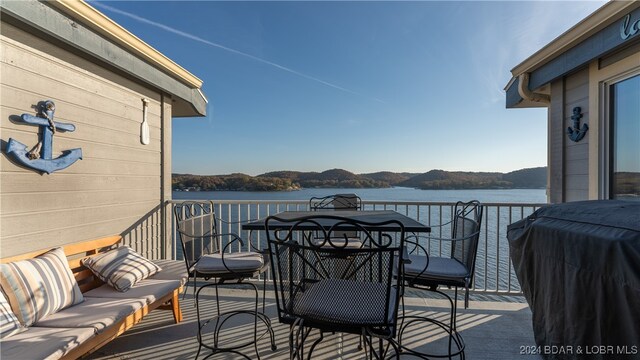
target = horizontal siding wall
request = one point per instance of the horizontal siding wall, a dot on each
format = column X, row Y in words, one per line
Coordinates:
column 576, row 154
column 115, row 189
column 556, row 135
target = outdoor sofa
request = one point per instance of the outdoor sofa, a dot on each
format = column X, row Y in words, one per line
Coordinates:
column 101, row 315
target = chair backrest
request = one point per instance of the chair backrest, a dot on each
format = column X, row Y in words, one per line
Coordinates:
column 197, row 230
column 299, row 262
column 467, row 219
column 336, row 202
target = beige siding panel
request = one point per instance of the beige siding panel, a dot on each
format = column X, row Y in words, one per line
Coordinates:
column 113, row 152
column 24, row 182
column 28, row 135
column 575, row 195
column 576, row 167
column 579, row 150
column 576, row 155
column 54, row 220
column 578, row 79
column 576, row 163
column 577, row 97
column 79, row 232
column 91, row 151
column 115, row 189
column 22, row 203
column 580, row 182
column 556, row 134
column 49, row 61
column 75, row 106
column 95, row 127
column 88, row 166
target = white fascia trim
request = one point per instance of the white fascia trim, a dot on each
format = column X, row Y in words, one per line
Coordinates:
column 102, row 24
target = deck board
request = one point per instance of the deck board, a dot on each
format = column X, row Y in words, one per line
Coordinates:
column 494, row 327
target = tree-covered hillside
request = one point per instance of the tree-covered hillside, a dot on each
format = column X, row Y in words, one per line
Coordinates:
column 339, row 178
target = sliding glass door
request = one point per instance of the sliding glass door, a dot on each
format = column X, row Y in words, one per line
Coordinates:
column 625, row 139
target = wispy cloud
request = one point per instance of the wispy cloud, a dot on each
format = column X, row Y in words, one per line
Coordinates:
column 515, row 34
column 228, row 49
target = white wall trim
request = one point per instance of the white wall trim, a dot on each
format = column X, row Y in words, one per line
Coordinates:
column 599, row 82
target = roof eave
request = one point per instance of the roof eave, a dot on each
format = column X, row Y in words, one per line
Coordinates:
column 100, row 23
column 599, row 19
column 85, row 38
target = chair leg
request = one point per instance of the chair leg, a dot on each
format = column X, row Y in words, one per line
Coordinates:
column 313, row 346
column 401, row 321
column 456, row 344
column 381, row 353
column 296, row 340
column 194, row 289
column 175, row 306
column 220, row 318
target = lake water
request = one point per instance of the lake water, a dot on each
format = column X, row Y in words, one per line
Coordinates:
column 537, row 196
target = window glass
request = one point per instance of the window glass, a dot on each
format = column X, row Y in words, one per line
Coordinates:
column 625, row 139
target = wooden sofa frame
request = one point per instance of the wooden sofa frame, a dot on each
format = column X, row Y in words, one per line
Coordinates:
column 87, row 281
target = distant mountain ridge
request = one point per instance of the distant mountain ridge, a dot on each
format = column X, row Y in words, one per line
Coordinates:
column 531, row 178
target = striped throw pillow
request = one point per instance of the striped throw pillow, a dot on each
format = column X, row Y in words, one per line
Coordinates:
column 121, row 267
column 9, row 323
column 41, row 286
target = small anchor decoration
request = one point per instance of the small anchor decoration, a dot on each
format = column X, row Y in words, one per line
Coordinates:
column 40, row 157
column 576, row 134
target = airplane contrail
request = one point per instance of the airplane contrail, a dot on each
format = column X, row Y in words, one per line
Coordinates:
column 234, row 51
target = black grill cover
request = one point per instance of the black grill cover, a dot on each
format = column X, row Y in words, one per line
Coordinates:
column 578, row 265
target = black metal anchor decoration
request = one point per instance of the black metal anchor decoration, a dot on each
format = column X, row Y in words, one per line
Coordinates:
column 576, row 134
column 40, row 157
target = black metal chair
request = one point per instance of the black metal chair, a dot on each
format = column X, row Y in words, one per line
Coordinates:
column 422, row 271
column 207, row 255
column 333, row 287
column 336, row 202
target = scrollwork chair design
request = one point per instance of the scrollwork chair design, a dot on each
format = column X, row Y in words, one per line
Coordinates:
column 336, row 202
column 333, row 287
column 425, row 272
column 208, row 255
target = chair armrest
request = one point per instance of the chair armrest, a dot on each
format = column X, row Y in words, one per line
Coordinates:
column 441, row 225
column 237, row 238
column 415, row 244
column 442, row 239
column 235, row 222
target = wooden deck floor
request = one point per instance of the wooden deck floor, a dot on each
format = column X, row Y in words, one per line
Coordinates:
column 494, row 327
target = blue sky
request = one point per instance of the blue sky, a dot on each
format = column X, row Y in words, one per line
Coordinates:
column 362, row 86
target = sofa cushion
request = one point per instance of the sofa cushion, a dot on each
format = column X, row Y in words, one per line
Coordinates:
column 121, row 267
column 171, row 270
column 40, row 286
column 9, row 323
column 44, row 343
column 96, row 313
column 148, row 289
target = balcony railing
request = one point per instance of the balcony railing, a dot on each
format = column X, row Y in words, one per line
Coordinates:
column 494, row 270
